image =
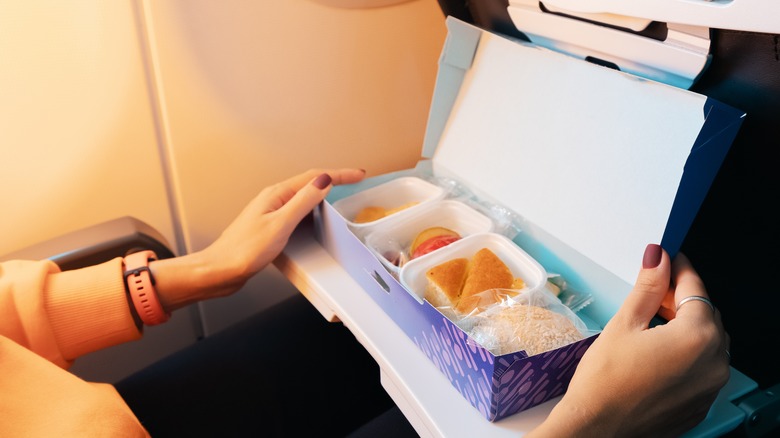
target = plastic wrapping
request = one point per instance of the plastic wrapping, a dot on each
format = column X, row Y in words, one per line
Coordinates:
column 431, row 228
column 458, row 211
column 533, row 322
column 573, row 299
column 505, row 221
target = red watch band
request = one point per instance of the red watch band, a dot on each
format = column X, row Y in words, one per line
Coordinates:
column 140, row 286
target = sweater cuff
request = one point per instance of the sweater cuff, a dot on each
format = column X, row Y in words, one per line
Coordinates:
column 89, row 310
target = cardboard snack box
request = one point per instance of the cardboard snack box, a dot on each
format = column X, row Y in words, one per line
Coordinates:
column 593, row 165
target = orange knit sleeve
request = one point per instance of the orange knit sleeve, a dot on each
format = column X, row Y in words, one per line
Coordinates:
column 63, row 315
column 47, row 319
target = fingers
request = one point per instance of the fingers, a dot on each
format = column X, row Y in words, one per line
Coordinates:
column 303, row 199
column 689, row 284
column 649, row 291
column 346, row 176
column 276, row 196
column 338, row 176
column 695, row 310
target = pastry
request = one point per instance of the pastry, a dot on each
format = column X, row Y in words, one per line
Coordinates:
column 459, row 283
column 369, row 214
column 486, row 272
column 445, row 282
column 373, row 213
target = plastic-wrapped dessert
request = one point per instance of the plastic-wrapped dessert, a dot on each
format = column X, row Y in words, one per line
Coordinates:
column 523, row 327
column 479, row 292
column 459, row 283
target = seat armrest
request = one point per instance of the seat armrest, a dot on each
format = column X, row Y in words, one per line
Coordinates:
column 97, row 244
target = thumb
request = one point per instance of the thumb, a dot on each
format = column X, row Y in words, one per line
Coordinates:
column 650, row 289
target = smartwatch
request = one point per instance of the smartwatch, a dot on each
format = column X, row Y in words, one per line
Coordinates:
column 139, row 282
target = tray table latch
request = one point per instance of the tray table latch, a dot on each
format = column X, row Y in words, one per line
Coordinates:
column 762, row 411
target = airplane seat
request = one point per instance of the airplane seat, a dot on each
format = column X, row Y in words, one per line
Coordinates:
column 97, row 243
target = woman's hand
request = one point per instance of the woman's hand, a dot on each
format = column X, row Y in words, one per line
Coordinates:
column 258, row 235
column 640, row 381
column 252, row 241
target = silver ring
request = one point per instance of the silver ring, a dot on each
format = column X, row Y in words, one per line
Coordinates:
column 695, row 298
column 728, row 354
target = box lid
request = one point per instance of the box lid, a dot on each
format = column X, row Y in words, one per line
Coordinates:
column 605, row 161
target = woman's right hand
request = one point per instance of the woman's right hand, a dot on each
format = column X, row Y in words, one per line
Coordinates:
column 641, row 381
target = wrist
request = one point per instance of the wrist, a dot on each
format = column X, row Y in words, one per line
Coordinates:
column 191, row 278
column 570, row 419
column 140, row 284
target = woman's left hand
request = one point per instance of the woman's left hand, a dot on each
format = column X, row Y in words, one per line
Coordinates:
column 252, row 241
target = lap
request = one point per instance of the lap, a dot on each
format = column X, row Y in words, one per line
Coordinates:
column 284, row 372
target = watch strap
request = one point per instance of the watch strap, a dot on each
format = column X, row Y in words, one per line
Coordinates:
column 140, row 285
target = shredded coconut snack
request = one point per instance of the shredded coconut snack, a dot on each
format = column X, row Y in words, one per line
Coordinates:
column 508, row 329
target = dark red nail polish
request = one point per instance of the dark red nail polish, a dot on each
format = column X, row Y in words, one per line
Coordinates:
column 322, row 181
column 652, row 257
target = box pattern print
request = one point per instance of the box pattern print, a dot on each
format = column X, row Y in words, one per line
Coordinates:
column 518, row 382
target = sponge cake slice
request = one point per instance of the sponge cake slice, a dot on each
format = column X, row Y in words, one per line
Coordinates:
column 445, row 282
column 485, row 272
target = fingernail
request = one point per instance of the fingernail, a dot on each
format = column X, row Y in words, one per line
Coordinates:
column 652, row 256
column 322, row 181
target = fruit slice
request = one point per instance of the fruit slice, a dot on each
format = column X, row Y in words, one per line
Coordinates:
column 433, row 244
column 429, row 233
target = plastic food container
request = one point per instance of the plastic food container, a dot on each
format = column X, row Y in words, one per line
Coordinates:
column 412, row 275
column 405, row 195
column 391, row 241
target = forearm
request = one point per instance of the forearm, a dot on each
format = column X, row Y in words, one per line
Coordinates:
column 187, row 279
column 63, row 315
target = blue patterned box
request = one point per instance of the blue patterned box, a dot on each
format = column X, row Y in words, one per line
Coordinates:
column 496, row 386
column 592, row 163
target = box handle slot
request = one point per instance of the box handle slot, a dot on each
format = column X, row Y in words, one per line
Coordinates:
column 379, row 280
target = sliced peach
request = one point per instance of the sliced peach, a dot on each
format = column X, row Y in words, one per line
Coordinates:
column 433, row 244
column 429, row 233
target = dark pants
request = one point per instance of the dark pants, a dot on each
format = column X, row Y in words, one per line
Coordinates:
column 285, row 372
